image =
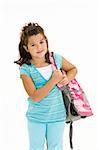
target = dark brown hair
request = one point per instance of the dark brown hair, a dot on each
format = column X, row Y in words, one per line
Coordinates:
column 27, row 31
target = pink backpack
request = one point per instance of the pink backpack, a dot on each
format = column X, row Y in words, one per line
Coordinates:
column 75, row 101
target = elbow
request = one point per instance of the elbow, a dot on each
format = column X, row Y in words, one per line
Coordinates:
column 76, row 71
column 35, row 98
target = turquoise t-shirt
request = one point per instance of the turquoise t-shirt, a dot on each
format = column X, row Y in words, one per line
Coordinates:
column 51, row 108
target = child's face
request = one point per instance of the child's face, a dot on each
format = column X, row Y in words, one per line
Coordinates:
column 37, row 45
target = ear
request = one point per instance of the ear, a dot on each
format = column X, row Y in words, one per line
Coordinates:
column 25, row 48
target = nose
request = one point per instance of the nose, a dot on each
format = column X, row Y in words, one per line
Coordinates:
column 38, row 47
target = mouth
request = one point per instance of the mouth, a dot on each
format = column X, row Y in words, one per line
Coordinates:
column 40, row 52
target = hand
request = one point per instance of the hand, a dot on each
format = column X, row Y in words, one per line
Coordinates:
column 57, row 76
column 65, row 80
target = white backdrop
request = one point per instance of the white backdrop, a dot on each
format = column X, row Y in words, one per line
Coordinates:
column 72, row 30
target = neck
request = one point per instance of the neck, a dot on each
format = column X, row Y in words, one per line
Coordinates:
column 38, row 61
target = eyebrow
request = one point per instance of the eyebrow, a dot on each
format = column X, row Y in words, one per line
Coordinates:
column 40, row 40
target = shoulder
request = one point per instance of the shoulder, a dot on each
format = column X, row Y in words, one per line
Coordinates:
column 57, row 59
column 57, row 55
column 62, row 62
column 25, row 69
column 24, row 66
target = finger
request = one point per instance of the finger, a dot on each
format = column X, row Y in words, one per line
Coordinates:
column 61, row 81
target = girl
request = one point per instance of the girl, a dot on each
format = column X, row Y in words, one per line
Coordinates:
column 46, row 113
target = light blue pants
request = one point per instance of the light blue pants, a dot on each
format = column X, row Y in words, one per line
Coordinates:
column 52, row 132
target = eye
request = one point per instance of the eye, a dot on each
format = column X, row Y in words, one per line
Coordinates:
column 41, row 42
column 33, row 45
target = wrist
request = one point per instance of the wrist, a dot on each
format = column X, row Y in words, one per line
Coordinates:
column 53, row 81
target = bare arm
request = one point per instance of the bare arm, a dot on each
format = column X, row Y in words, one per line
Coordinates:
column 39, row 94
column 69, row 68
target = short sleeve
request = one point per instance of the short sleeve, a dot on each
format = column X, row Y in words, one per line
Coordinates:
column 58, row 60
column 24, row 69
